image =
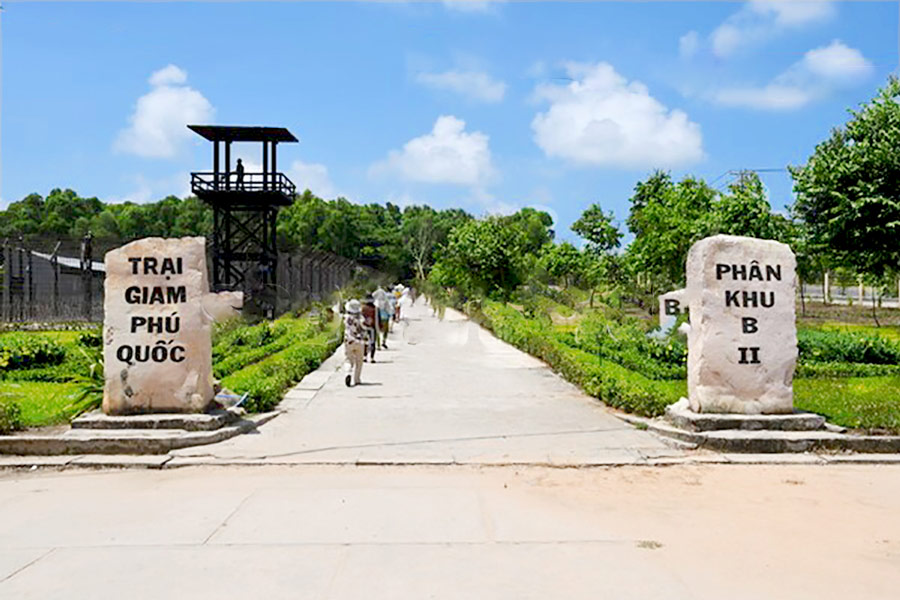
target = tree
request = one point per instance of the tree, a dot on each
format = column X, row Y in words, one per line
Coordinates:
column 484, row 258
column 597, row 228
column 562, row 261
column 666, row 219
column 848, row 192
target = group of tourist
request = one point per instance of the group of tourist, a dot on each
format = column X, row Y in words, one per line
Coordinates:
column 368, row 323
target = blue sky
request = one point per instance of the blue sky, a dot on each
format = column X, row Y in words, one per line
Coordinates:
column 486, row 106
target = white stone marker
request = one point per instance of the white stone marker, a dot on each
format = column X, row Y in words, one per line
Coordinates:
column 742, row 345
column 157, row 348
column 671, row 305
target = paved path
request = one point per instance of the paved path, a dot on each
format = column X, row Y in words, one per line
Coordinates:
column 445, row 391
column 469, row 532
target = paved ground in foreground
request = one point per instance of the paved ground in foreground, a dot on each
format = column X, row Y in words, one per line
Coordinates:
column 445, row 391
column 414, row 532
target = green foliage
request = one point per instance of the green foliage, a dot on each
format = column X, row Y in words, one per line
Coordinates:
column 64, row 213
column 597, row 228
column 246, row 345
column 621, row 340
column 482, row 258
column 563, row 262
column 666, row 218
column 843, row 369
column 10, row 415
column 90, row 339
column 24, row 351
column 846, row 347
column 847, row 192
column 613, row 384
column 267, row 380
column 868, row 403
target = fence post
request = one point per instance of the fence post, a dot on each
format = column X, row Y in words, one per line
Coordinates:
column 7, row 281
column 29, row 285
column 20, row 280
column 86, row 276
column 54, row 264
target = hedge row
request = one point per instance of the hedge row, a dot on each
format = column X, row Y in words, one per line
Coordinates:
column 613, row 384
column 267, row 380
column 231, row 357
column 844, row 369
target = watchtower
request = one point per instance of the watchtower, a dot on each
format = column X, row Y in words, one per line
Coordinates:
column 245, row 206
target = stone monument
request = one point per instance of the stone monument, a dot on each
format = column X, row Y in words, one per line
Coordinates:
column 159, row 311
column 742, row 343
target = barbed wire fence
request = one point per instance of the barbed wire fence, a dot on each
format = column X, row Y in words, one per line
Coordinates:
column 52, row 279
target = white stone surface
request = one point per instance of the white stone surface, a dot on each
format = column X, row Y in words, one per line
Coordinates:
column 742, row 346
column 670, row 306
column 156, row 333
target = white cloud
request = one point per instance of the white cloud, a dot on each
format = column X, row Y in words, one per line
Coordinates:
column 791, row 14
column 169, row 75
column 602, row 119
column 476, row 85
column 689, row 44
column 759, row 20
column 448, row 154
column 837, row 63
column 158, row 125
column 820, row 72
column 471, row 6
column 312, row 176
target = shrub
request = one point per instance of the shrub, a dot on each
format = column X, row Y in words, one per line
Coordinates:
column 266, row 380
column 23, row 351
column 10, row 416
column 845, row 347
column 90, row 339
column 612, row 383
column 623, row 341
column 260, row 341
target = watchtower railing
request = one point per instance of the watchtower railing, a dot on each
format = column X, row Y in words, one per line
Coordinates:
column 206, row 182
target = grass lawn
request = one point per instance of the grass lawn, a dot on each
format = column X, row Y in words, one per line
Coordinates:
column 870, row 403
column 890, row 332
column 41, row 403
column 857, row 402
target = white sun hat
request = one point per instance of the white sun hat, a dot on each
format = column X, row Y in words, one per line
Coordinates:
column 353, row 306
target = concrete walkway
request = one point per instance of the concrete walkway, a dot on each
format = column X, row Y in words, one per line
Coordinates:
column 465, row 532
column 445, row 391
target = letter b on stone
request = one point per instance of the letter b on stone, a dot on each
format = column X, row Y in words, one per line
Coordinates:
column 749, row 325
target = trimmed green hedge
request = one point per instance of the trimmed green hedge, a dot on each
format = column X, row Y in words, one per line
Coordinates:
column 247, row 345
column 818, row 346
column 267, row 380
column 613, row 384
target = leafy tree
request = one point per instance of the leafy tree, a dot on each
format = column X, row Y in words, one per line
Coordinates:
column 848, row 192
column 666, row 218
column 483, row 258
column 597, row 228
column 562, row 261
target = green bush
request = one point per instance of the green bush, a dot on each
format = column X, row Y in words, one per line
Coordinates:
column 612, row 383
column 622, row 340
column 817, row 346
column 10, row 416
column 260, row 341
column 266, row 381
column 24, row 350
column 90, row 339
column 840, row 369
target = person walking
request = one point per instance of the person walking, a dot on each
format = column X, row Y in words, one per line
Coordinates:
column 370, row 319
column 383, row 317
column 354, row 342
